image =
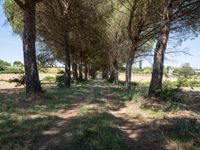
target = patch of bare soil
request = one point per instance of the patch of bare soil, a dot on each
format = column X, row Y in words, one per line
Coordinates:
column 143, row 78
column 5, row 85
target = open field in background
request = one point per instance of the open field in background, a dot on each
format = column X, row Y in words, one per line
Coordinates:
column 135, row 78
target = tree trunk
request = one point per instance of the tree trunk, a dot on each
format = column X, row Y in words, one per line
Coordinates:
column 129, row 64
column 86, row 72
column 114, row 77
column 116, row 72
column 158, row 66
column 93, row 73
column 74, row 70
column 32, row 81
column 67, row 75
column 105, row 74
column 80, row 71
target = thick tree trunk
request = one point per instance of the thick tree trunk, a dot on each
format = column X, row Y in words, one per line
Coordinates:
column 158, row 66
column 129, row 64
column 67, row 75
column 86, row 72
column 32, row 81
column 75, row 70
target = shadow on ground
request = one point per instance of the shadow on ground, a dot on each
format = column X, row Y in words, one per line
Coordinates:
column 82, row 118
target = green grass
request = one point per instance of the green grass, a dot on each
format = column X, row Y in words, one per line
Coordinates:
column 17, row 129
column 21, row 134
column 22, row 121
column 93, row 131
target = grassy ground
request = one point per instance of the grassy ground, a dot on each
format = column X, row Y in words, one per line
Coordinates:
column 98, row 116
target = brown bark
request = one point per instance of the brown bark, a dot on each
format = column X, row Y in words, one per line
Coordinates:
column 67, row 75
column 93, row 73
column 75, row 70
column 32, row 81
column 80, row 68
column 129, row 64
column 86, row 72
column 158, row 66
column 105, row 72
column 114, row 77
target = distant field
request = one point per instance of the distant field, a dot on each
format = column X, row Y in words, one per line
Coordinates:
column 4, row 78
column 143, row 78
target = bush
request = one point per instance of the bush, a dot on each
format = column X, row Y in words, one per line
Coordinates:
column 12, row 70
column 49, row 79
column 60, row 80
column 2, row 68
column 20, row 81
column 187, row 82
column 168, row 92
column 183, row 82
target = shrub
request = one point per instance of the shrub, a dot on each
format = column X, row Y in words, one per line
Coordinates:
column 60, row 80
column 49, row 79
column 20, row 81
column 183, row 82
column 2, row 68
column 168, row 92
column 12, row 70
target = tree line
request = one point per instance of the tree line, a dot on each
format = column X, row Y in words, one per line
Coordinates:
column 94, row 35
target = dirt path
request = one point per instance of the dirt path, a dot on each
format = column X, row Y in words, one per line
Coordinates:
column 51, row 137
column 140, row 135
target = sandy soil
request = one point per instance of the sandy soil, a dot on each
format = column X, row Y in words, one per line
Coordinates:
column 135, row 78
column 6, row 77
column 143, row 78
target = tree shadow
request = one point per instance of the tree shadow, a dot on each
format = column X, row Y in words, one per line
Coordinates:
column 180, row 100
column 19, row 134
column 53, row 100
column 100, row 131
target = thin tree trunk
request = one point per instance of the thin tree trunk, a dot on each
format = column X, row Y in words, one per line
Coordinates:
column 105, row 74
column 86, row 72
column 158, row 66
column 75, row 70
column 80, row 72
column 114, row 77
column 32, row 81
column 93, row 73
column 116, row 71
column 67, row 75
column 129, row 64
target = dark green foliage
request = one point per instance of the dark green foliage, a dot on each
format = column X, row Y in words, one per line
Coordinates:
column 20, row 81
column 168, row 92
column 185, row 130
column 60, row 80
column 2, row 68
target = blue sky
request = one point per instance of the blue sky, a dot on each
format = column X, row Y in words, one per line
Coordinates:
column 11, row 48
